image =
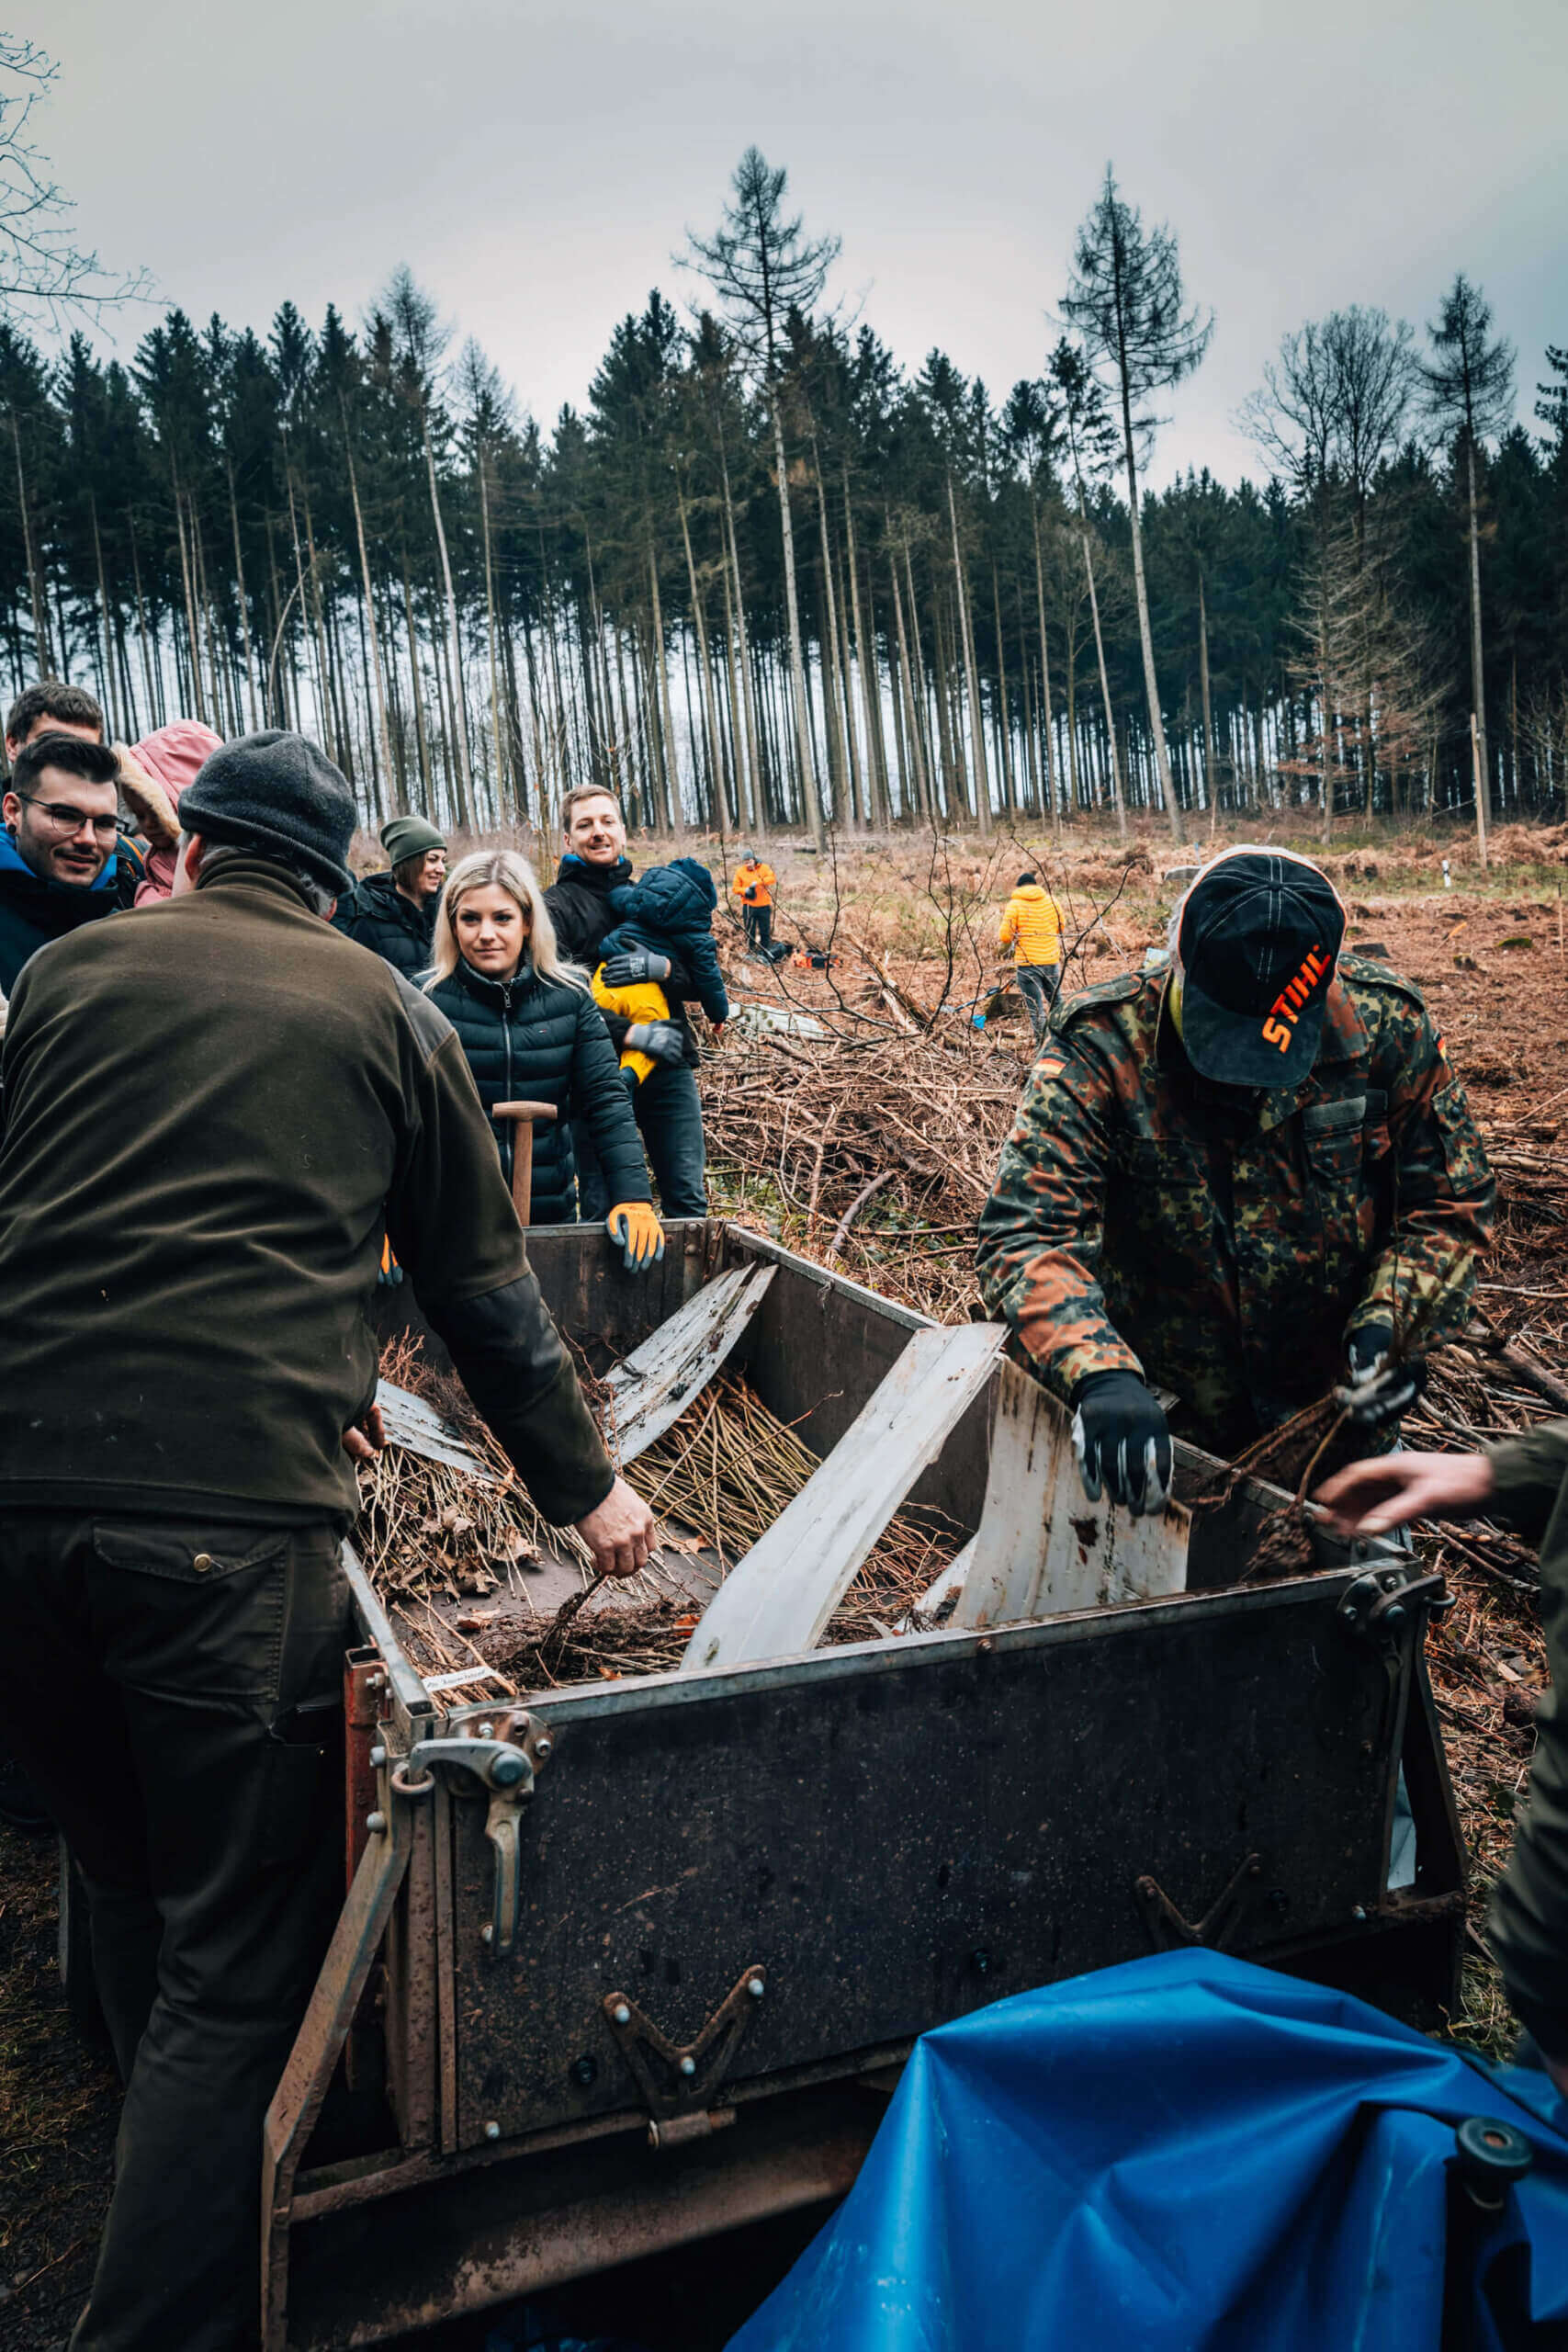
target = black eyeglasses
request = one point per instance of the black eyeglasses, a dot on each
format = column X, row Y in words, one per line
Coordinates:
column 66, row 819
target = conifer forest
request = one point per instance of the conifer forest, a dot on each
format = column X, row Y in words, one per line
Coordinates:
column 771, row 574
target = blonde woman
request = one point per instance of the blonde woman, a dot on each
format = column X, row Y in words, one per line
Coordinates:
column 532, row 1033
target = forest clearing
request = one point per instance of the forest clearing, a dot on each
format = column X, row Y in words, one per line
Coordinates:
column 855, row 1113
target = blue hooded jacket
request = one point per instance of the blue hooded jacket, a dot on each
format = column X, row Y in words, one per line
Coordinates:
column 33, row 911
column 671, row 911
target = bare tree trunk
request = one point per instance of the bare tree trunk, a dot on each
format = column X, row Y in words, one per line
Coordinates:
column 1116, row 792
column 1146, row 633
column 876, row 796
column 971, row 681
column 377, row 673
column 1477, row 667
column 193, row 643
column 141, row 629
column 833, row 717
column 755, row 796
column 118, row 725
column 923, row 802
column 705, row 668
column 461, row 715
column 1004, row 715
column 804, row 756
column 42, row 650
column 674, row 814
column 422, row 740
column 489, row 635
column 1049, row 761
column 1211, row 741
column 244, row 608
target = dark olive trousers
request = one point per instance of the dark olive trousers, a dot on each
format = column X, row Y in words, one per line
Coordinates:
column 177, row 1696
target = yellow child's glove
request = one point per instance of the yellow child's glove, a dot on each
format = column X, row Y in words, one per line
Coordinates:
column 633, row 1225
column 642, row 1000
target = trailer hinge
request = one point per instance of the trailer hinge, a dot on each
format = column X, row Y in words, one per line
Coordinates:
column 1380, row 1604
column 1168, row 1929
column 679, row 2084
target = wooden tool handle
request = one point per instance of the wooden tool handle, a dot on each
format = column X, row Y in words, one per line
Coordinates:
column 523, row 1116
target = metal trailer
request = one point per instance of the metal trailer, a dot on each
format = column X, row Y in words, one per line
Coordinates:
column 635, row 1964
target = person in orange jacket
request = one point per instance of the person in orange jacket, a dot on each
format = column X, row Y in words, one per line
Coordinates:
column 753, row 886
column 1031, row 927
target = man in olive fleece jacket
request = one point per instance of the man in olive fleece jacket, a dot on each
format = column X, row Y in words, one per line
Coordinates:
column 1523, row 1482
column 213, row 1106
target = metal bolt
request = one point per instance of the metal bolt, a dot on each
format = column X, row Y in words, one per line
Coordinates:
column 376, row 1682
column 623, row 2015
column 688, row 2066
column 1396, row 1614
column 1358, row 1911
column 542, row 1748
column 584, row 2070
column 507, row 1770
column 493, row 2130
column 374, row 1823
column 756, row 1988
column 487, row 1933
column 377, row 1756
column 1351, row 1615
column 484, row 1731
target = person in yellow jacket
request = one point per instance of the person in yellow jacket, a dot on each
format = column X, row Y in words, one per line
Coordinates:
column 1031, row 927
column 753, row 886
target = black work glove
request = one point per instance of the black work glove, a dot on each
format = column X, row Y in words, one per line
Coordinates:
column 1122, row 1443
column 1379, row 1390
column 661, row 1040
column 637, row 964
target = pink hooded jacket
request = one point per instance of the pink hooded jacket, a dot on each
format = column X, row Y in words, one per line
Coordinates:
column 171, row 757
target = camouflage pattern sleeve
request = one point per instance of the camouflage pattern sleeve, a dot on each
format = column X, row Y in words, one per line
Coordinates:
column 1043, row 1228
column 1443, row 1192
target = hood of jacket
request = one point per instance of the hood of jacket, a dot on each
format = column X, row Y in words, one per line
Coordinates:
column 674, row 898
column 379, row 894
column 16, row 874
column 1029, row 893
column 602, row 879
column 174, row 755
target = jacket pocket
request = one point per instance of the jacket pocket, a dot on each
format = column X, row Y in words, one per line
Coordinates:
column 193, row 1607
column 1464, row 1156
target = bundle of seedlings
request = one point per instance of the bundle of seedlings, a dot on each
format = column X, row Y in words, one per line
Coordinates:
column 717, row 1479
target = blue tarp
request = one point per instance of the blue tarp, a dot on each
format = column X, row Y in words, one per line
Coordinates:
column 1184, row 2155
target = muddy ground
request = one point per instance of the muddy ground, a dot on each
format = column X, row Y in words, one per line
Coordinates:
column 1489, row 954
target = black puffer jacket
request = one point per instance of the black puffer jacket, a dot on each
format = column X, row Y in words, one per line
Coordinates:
column 529, row 1040
column 377, row 915
column 578, row 901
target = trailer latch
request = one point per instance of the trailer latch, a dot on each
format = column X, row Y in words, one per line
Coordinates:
column 505, row 1770
column 679, row 2083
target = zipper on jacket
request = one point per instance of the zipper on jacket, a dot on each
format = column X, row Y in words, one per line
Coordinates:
column 506, row 1033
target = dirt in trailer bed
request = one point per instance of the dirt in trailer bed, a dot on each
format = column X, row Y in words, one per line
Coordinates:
column 1491, row 960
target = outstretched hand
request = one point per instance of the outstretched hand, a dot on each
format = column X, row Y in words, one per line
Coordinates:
column 1373, row 1498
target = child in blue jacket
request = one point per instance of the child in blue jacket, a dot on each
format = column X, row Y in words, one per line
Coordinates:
column 668, row 913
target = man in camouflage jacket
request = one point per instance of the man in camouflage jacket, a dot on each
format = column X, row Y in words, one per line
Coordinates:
column 1244, row 1239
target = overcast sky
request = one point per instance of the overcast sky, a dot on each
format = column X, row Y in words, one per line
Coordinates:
column 538, row 164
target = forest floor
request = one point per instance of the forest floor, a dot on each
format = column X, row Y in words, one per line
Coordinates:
column 870, row 1146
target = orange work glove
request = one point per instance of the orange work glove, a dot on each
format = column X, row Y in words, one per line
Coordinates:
column 633, row 1225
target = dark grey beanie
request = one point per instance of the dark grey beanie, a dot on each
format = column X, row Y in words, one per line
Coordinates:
column 279, row 794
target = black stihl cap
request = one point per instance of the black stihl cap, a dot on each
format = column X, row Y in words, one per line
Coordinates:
column 1259, row 935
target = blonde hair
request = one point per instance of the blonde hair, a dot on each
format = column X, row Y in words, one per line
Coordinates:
column 505, row 870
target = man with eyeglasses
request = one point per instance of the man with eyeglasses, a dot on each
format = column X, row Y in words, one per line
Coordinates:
column 60, row 864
